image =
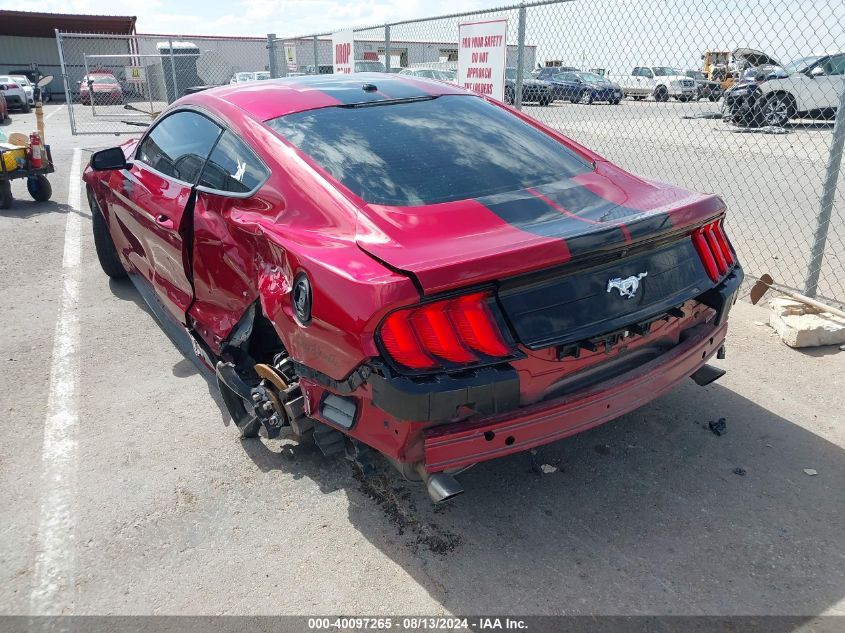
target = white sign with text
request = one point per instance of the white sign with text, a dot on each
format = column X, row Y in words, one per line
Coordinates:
column 290, row 57
column 482, row 53
column 343, row 47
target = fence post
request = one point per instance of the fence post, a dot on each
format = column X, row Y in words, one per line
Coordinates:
column 271, row 54
column 172, row 72
column 387, row 47
column 68, row 100
column 834, row 161
column 316, row 59
column 520, row 54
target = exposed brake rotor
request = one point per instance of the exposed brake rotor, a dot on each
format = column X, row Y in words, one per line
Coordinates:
column 268, row 373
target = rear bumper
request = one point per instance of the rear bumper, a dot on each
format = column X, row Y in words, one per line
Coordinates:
column 458, row 445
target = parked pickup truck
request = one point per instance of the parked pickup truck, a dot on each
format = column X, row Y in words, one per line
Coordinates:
column 661, row 81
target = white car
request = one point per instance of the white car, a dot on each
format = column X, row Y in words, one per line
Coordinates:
column 661, row 81
column 14, row 93
column 239, row 78
column 772, row 95
column 449, row 76
column 27, row 86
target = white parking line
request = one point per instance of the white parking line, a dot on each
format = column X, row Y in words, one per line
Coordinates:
column 53, row 579
column 47, row 116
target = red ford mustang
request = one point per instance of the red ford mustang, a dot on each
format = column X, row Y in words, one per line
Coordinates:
column 394, row 264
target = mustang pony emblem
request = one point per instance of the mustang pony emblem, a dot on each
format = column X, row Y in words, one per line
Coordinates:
column 627, row 287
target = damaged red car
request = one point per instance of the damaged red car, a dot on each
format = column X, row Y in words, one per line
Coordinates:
column 391, row 264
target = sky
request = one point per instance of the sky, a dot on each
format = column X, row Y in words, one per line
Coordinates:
column 611, row 34
column 255, row 17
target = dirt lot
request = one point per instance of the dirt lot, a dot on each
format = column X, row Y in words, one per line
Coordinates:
column 125, row 492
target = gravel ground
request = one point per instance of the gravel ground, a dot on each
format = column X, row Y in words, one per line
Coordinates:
column 127, row 493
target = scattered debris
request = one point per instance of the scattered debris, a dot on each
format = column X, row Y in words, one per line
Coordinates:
column 703, row 115
column 397, row 503
column 739, row 471
column 802, row 325
column 548, row 469
column 719, row 427
column 767, row 129
column 812, row 472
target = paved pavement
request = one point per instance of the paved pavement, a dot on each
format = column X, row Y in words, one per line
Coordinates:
column 124, row 491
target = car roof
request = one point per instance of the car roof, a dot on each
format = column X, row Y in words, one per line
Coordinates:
column 277, row 97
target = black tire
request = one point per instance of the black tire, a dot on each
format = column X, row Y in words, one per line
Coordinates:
column 616, row 102
column 715, row 97
column 106, row 253
column 546, row 100
column 39, row 188
column 510, row 95
column 774, row 110
column 661, row 94
column 5, row 194
column 26, row 108
column 586, row 98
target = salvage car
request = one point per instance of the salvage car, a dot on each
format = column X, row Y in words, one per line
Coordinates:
column 662, row 82
column 585, row 88
column 242, row 77
column 14, row 94
column 707, row 89
column 100, row 87
column 771, row 95
column 27, row 86
column 442, row 308
column 533, row 89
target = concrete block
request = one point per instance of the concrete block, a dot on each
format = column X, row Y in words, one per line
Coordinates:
column 800, row 325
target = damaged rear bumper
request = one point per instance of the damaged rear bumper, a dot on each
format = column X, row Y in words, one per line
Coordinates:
column 454, row 446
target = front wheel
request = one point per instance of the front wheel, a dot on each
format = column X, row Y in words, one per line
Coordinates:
column 586, row 97
column 39, row 188
column 775, row 111
column 103, row 244
column 615, row 102
column 661, row 94
column 545, row 100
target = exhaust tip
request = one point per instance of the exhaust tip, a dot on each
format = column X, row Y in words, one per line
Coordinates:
column 442, row 487
column 706, row 374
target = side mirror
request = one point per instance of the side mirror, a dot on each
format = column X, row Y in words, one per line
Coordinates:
column 818, row 71
column 108, row 159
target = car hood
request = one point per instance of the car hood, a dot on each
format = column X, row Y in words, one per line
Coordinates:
column 454, row 244
column 754, row 57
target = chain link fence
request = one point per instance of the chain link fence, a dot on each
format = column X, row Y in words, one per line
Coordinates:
column 117, row 84
column 655, row 87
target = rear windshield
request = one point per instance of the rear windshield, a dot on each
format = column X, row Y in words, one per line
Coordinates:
column 425, row 152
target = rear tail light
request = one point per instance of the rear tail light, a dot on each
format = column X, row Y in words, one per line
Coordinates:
column 714, row 249
column 445, row 334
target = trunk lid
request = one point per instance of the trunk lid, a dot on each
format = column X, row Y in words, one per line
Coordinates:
column 603, row 212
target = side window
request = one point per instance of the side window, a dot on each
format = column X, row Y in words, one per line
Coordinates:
column 835, row 65
column 637, row 72
column 179, row 144
column 232, row 167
